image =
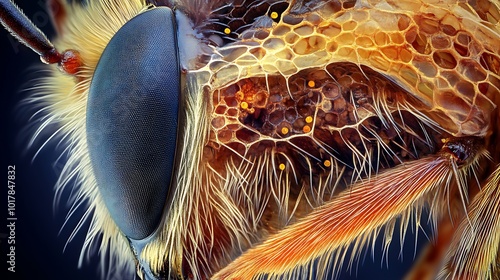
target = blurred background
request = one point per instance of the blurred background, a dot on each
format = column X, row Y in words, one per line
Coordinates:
column 41, row 250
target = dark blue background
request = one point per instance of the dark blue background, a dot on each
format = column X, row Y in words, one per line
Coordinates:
column 39, row 239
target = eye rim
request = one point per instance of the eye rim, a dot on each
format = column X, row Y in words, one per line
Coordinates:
column 178, row 128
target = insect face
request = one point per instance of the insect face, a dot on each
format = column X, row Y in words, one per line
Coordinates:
column 278, row 139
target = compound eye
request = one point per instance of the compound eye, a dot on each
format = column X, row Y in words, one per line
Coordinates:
column 132, row 120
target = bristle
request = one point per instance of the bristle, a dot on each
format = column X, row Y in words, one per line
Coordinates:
column 353, row 218
column 198, row 10
column 63, row 101
column 474, row 251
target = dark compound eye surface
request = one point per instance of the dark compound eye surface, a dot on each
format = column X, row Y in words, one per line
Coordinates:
column 132, row 121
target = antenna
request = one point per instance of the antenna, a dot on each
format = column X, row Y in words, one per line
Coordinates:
column 14, row 20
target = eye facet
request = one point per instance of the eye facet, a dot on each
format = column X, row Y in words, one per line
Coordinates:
column 132, row 117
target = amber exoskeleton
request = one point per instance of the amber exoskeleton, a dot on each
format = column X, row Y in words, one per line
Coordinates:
column 302, row 132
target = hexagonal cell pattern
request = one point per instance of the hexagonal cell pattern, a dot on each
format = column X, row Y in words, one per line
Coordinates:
column 417, row 50
column 341, row 81
column 324, row 112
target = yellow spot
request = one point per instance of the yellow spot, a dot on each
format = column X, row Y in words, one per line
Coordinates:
column 284, row 130
column 327, row 163
column 309, row 119
column 227, row 30
column 244, row 105
column 311, row 83
column 306, row 129
column 274, row 15
column 282, row 166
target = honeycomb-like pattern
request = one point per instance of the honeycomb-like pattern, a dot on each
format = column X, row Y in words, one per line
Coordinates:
column 315, row 110
column 227, row 22
column 279, row 109
column 439, row 54
column 302, row 99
